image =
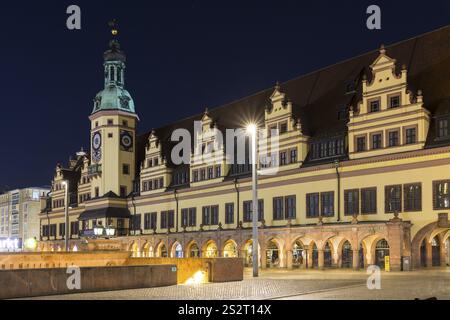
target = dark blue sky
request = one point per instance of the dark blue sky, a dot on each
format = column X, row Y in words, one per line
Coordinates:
column 183, row 56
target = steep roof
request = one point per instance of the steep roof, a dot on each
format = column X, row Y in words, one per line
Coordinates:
column 319, row 96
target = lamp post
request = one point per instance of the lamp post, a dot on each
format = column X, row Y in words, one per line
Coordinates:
column 252, row 130
column 66, row 214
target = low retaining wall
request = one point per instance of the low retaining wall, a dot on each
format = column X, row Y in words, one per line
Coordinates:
column 215, row 269
column 42, row 282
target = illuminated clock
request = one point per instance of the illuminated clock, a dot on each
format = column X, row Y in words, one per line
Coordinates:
column 126, row 140
column 96, row 141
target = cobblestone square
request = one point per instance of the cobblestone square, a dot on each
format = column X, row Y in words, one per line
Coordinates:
column 296, row 285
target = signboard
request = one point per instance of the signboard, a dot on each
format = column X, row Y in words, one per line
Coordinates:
column 387, row 263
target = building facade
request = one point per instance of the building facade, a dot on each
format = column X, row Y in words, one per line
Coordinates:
column 20, row 217
column 360, row 175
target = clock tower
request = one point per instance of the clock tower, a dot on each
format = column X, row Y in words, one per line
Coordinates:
column 113, row 129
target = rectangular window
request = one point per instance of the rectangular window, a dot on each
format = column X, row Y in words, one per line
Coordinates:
column 412, row 194
column 369, row 201
column 161, row 182
column 153, row 220
column 136, row 221
column 210, row 172
column 441, row 194
column 393, row 199
column 192, row 217
column 376, row 141
column 327, row 204
column 375, row 106
column 202, row 174
column 290, row 203
column 293, row 156
column 278, row 208
column 62, row 229
column 96, row 192
column 443, row 128
column 283, row 158
column 393, row 139
column 206, row 216
column 147, row 220
column 53, row 230
column 361, row 144
column 351, row 202
column 312, row 205
column 163, row 219
column 247, row 206
column 74, row 228
column 195, row 173
column 184, row 217
column 411, row 136
column 218, row 172
column 283, row 127
column 214, row 215
column 123, row 191
column 394, row 102
column 229, row 213
column 126, row 169
column 171, row 218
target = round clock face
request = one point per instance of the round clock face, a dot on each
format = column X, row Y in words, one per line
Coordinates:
column 96, row 141
column 126, row 140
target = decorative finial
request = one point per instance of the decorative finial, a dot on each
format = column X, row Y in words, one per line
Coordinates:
column 403, row 66
column 206, row 110
column 382, row 49
column 419, row 92
column 277, row 85
column 114, row 27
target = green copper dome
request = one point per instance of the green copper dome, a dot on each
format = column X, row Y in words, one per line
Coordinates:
column 114, row 96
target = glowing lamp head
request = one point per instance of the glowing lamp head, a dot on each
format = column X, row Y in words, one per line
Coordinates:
column 251, row 128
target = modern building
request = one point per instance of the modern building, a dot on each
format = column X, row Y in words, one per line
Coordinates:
column 361, row 174
column 19, row 217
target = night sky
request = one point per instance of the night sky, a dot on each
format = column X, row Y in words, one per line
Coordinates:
column 182, row 57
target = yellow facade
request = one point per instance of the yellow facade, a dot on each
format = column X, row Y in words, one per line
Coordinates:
column 380, row 187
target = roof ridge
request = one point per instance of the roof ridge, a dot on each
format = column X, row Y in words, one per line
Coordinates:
column 316, row 71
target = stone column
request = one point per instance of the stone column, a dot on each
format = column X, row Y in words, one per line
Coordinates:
column 320, row 259
column 263, row 257
column 355, row 259
column 429, row 254
column 443, row 254
column 289, row 259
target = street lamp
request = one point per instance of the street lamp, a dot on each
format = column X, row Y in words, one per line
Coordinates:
column 65, row 183
column 252, row 130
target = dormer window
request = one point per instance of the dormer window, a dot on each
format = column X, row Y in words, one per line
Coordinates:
column 394, row 102
column 442, row 128
column 374, row 106
column 283, row 127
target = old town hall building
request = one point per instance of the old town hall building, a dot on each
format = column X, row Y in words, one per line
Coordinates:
column 363, row 178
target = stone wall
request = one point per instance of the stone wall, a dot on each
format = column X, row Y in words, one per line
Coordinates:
column 42, row 282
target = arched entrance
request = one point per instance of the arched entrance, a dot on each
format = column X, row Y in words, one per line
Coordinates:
column 423, row 253
column 211, row 250
column 272, row 255
column 230, row 249
column 134, row 250
column 327, row 255
column 315, row 256
column 162, row 251
column 193, row 250
column 347, row 255
column 435, row 252
column 381, row 251
column 248, row 253
column 298, row 254
column 177, row 250
column 147, row 250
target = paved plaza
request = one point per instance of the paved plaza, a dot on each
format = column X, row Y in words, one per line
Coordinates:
column 297, row 285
